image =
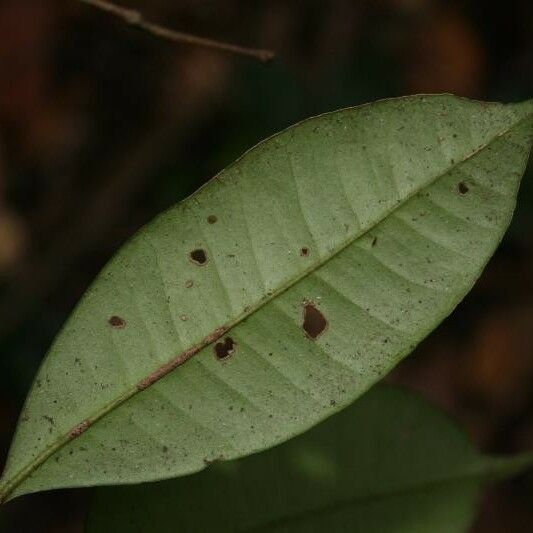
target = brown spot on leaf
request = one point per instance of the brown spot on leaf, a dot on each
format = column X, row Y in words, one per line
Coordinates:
column 189, row 283
column 117, row 322
column 225, row 348
column 462, row 187
column 211, row 219
column 315, row 322
column 374, row 241
column 79, row 429
column 215, row 335
column 162, row 371
column 198, row 257
column 304, row 252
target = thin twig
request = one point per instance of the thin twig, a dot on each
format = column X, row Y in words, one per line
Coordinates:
column 135, row 18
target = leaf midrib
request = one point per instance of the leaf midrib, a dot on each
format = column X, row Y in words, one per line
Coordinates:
column 10, row 485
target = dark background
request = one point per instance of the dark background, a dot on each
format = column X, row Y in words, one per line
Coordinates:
column 103, row 126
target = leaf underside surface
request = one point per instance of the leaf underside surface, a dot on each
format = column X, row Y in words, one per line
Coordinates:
column 390, row 463
column 275, row 295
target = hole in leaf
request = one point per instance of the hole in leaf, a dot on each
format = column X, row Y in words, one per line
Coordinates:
column 225, row 348
column 462, row 187
column 198, row 256
column 314, row 321
column 211, row 219
column 117, row 322
column 304, row 252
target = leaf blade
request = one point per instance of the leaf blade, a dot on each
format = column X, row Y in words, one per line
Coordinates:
column 405, row 234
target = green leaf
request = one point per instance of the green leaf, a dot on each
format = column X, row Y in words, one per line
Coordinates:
column 364, row 227
column 389, row 463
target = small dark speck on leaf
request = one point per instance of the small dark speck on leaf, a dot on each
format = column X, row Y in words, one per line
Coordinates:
column 304, row 252
column 211, row 219
column 462, row 187
column 225, row 348
column 374, row 241
column 117, row 322
column 198, row 257
column 208, row 462
column 314, row 321
column 49, row 419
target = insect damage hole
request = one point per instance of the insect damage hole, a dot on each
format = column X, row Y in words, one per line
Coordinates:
column 462, row 187
column 225, row 349
column 117, row 322
column 198, row 257
column 315, row 322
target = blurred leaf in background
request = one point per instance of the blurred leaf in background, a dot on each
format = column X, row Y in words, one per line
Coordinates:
column 388, row 463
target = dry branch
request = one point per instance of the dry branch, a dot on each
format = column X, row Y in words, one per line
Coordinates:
column 135, row 18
